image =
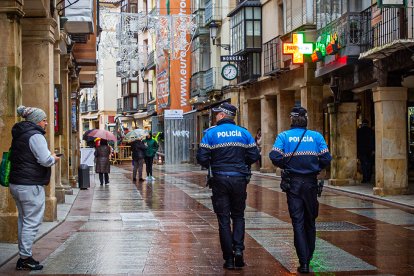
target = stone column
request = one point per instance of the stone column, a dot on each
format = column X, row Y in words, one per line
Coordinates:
column 59, row 189
column 74, row 154
column 10, row 93
column 311, row 99
column 268, row 116
column 390, row 105
column 285, row 102
column 66, row 121
column 38, row 85
column 342, row 119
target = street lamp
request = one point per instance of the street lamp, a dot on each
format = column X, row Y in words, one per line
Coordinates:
column 213, row 34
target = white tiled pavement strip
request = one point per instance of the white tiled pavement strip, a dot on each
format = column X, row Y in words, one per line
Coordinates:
column 276, row 236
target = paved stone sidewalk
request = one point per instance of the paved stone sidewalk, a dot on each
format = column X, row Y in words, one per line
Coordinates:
column 167, row 227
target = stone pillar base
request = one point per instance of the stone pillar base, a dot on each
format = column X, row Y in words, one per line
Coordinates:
column 390, row 191
column 342, row 182
column 73, row 182
column 50, row 209
column 60, row 195
column 68, row 190
column 8, row 228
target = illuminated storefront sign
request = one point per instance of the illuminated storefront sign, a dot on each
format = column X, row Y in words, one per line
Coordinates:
column 297, row 48
column 326, row 44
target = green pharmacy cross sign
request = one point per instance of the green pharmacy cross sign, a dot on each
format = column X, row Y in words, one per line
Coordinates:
column 297, row 48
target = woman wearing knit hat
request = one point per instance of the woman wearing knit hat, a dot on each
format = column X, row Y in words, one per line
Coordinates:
column 30, row 171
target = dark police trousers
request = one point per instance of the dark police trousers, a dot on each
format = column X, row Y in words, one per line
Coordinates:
column 229, row 201
column 303, row 209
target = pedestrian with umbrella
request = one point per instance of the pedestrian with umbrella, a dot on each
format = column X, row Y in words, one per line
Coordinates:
column 138, row 154
column 103, row 153
column 102, row 164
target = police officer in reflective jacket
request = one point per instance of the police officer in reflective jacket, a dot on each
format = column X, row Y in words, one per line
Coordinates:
column 229, row 150
column 308, row 160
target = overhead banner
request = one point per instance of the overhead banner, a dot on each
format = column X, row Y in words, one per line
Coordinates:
column 173, row 75
column 181, row 68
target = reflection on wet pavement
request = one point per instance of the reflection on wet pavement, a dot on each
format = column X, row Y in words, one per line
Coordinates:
column 167, row 227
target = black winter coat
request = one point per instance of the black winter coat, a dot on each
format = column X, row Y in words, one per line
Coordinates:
column 138, row 150
column 102, row 159
column 25, row 170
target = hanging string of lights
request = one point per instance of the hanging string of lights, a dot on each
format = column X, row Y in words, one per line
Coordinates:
column 120, row 31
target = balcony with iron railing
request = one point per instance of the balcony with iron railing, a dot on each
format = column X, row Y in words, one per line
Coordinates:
column 348, row 29
column 197, row 84
column 150, row 61
column 212, row 11
column 213, row 80
column 272, row 56
column 387, row 30
column 201, row 28
column 92, row 105
column 142, row 104
column 83, row 108
column 119, row 108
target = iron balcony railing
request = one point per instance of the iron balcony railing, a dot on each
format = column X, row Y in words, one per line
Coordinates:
column 83, row 107
column 212, row 80
column 197, row 84
column 142, row 104
column 212, row 11
column 272, row 56
column 93, row 105
column 387, row 25
column 199, row 20
column 150, row 61
column 348, row 29
column 119, row 108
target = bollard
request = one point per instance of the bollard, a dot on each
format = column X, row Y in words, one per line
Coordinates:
column 83, row 177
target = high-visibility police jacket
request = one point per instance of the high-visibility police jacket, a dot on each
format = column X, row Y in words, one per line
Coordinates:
column 228, row 149
column 311, row 157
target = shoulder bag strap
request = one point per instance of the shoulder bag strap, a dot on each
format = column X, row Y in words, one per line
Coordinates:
column 293, row 153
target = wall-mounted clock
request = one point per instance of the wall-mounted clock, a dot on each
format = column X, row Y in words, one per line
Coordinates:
column 229, row 72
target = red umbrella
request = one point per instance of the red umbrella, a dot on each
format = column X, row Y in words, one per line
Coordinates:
column 103, row 134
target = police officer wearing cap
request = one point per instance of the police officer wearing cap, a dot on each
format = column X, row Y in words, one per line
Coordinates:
column 229, row 150
column 308, row 160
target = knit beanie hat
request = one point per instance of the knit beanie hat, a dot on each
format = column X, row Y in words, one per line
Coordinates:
column 31, row 114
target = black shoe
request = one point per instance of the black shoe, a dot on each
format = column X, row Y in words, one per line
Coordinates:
column 141, row 179
column 303, row 268
column 229, row 264
column 101, row 184
column 28, row 264
column 134, row 179
column 238, row 258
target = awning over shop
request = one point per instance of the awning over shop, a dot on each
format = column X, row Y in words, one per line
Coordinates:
column 387, row 49
column 335, row 65
column 141, row 115
column 93, row 117
column 206, row 107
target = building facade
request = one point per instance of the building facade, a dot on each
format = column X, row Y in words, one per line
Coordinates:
column 44, row 63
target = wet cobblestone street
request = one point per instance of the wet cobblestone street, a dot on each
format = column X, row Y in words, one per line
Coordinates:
column 167, row 227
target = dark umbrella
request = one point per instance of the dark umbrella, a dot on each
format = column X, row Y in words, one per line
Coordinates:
column 86, row 137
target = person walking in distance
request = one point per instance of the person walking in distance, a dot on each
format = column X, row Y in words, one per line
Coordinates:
column 365, row 150
column 229, row 150
column 258, row 140
column 152, row 148
column 138, row 155
column 103, row 166
column 30, row 172
column 302, row 154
